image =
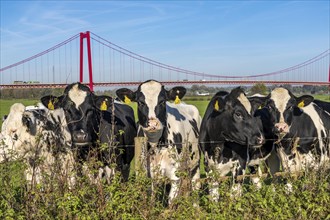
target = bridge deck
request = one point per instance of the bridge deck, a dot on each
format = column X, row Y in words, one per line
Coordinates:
column 209, row 82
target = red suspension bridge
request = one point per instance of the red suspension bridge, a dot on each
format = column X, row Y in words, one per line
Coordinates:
column 108, row 64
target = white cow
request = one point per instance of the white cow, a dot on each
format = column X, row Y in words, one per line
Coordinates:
column 40, row 137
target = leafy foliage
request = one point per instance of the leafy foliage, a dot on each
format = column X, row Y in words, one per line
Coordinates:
column 259, row 88
column 54, row 199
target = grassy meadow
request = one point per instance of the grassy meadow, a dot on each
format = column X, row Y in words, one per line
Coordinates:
column 198, row 101
column 5, row 105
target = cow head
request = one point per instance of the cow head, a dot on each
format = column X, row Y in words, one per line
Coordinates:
column 24, row 130
column 19, row 128
column 282, row 106
column 82, row 111
column 151, row 97
column 233, row 115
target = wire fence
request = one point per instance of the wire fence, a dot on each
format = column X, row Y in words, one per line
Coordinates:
column 160, row 144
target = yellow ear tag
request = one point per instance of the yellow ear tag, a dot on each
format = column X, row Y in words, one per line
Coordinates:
column 127, row 100
column 259, row 107
column 216, row 105
column 177, row 100
column 301, row 104
column 50, row 105
column 103, row 106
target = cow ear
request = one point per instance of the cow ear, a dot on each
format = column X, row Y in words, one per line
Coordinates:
column 218, row 104
column 176, row 94
column 126, row 95
column 257, row 102
column 28, row 123
column 304, row 100
column 103, row 102
column 51, row 102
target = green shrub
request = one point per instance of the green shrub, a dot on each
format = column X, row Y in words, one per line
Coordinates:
column 54, row 199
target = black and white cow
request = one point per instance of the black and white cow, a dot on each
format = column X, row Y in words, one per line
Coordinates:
column 323, row 104
column 302, row 130
column 41, row 138
column 230, row 135
column 170, row 128
column 96, row 119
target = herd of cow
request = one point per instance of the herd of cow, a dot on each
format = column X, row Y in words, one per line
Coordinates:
column 236, row 132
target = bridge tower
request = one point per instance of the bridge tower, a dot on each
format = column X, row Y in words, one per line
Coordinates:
column 89, row 58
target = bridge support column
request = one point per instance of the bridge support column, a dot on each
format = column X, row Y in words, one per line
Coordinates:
column 89, row 58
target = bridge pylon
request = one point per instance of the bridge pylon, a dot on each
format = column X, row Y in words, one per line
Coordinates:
column 89, row 58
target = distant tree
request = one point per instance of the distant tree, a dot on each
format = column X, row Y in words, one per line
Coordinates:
column 194, row 89
column 288, row 87
column 258, row 88
column 307, row 88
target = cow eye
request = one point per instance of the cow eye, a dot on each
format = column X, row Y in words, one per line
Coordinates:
column 89, row 112
column 290, row 108
column 238, row 115
column 269, row 107
column 140, row 103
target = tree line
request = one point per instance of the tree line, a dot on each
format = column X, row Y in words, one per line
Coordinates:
column 260, row 88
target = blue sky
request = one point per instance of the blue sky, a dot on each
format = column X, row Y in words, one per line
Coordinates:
column 236, row 37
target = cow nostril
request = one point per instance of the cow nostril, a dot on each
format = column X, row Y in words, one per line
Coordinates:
column 260, row 140
column 80, row 136
column 281, row 127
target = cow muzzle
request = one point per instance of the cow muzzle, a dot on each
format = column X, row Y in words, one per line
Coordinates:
column 258, row 141
column 153, row 125
column 154, row 131
column 81, row 138
column 281, row 129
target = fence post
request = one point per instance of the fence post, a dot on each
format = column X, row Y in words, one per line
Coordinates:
column 140, row 154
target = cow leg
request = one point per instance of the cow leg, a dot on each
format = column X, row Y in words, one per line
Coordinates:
column 154, row 169
column 212, row 175
column 214, row 190
column 256, row 179
column 69, row 166
column 237, row 190
column 109, row 173
column 175, row 183
column 213, row 186
column 105, row 172
column 273, row 162
column 125, row 171
column 196, row 185
column 87, row 172
column 33, row 175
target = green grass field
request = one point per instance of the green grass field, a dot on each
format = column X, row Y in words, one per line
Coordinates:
column 200, row 104
column 5, row 105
